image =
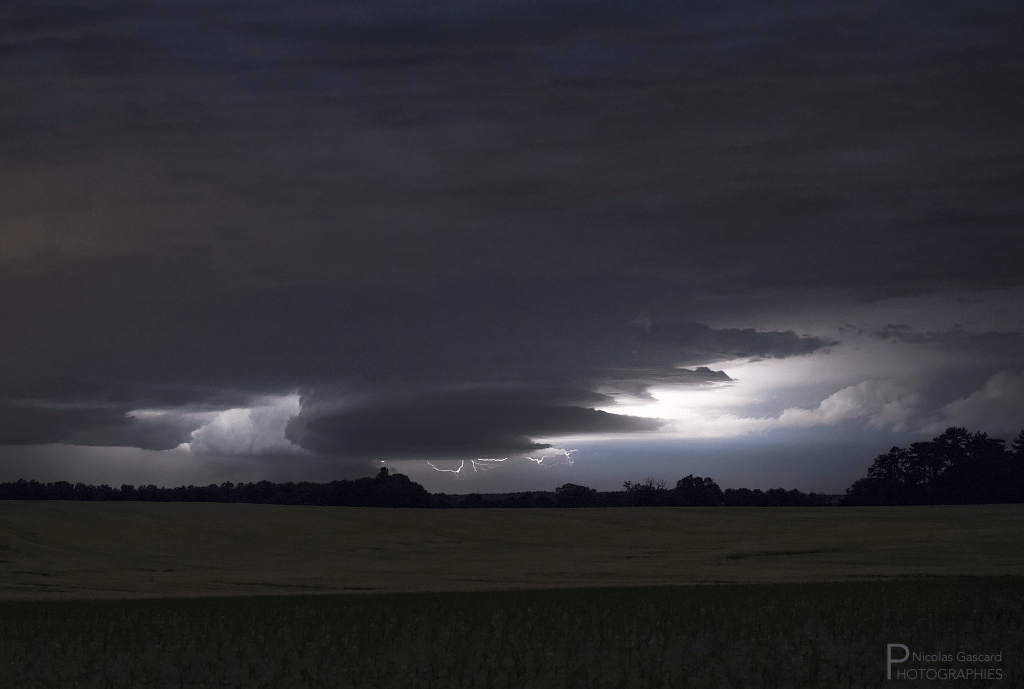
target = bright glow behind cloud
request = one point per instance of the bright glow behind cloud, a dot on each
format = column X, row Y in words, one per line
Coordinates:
column 880, row 403
column 864, row 378
column 254, row 430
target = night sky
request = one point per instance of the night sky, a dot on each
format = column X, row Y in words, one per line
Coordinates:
column 599, row 240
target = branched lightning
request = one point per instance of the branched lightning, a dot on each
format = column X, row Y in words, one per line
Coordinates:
column 554, row 452
column 485, row 463
column 448, row 471
column 552, row 457
column 477, row 465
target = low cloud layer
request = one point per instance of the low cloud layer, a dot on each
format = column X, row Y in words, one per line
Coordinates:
column 76, row 423
column 464, row 424
column 199, row 359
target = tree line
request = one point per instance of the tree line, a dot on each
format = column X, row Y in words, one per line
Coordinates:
column 384, row 490
column 397, row 490
column 691, row 491
column 957, row 467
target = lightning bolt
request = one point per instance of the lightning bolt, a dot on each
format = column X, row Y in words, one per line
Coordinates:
column 476, row 464
column 483, row 464
column 448, row 471
column 554, row 452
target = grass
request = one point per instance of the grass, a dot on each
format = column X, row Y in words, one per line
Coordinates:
column 746, row 635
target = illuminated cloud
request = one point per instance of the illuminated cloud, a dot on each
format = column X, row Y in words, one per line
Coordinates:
column 997, row 408
column 256, row 430
column 881, row 385
column 880, row 404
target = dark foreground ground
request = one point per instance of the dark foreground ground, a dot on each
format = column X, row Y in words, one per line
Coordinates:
column 53, row 550
column 590, row 598
column 736, row 635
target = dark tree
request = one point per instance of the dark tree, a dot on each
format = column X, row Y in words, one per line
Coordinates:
column 893, row 479
column 472, row 500
column 957, row 467
column 780, row 497
column 743, row 497
column 397, row 490
column 698, row 492
column 650, row 493
column 1017, row 446
column 572, row 495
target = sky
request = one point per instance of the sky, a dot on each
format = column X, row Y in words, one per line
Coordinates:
column 506, row 245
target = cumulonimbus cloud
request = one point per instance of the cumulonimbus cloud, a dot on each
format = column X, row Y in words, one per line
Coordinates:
column 258, row 429
column 365, row 251
column 879, row 403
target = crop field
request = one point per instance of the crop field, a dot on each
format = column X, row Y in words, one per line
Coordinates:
column 743, row 635
column 124, row 550
column 175, row 595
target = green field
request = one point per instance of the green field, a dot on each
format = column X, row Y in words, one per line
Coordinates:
column 645, row 597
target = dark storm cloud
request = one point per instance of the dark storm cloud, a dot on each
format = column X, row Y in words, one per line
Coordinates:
column 33, row 423
column 207, row 201
column 731, row 145
column 460, row 424
column 87, row 339
column 716, row 344
column 957, row 339
column 165, row 343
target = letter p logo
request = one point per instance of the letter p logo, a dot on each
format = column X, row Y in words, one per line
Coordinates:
column 891, row 660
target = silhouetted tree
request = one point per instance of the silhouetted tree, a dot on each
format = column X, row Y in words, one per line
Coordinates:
column 572, row 495
column 957, row 467
column 473, row 500
column 650, row 493
column 1017, row 446
column 396, row 490
column 694, row 491
column 743, row 497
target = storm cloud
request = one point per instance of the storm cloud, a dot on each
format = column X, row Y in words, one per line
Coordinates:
column 461, row 229
column 461, row 424
column 35, row 423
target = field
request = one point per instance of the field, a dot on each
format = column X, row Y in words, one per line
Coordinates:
column 744, row 635
column 130, row 550
column 669, row 597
